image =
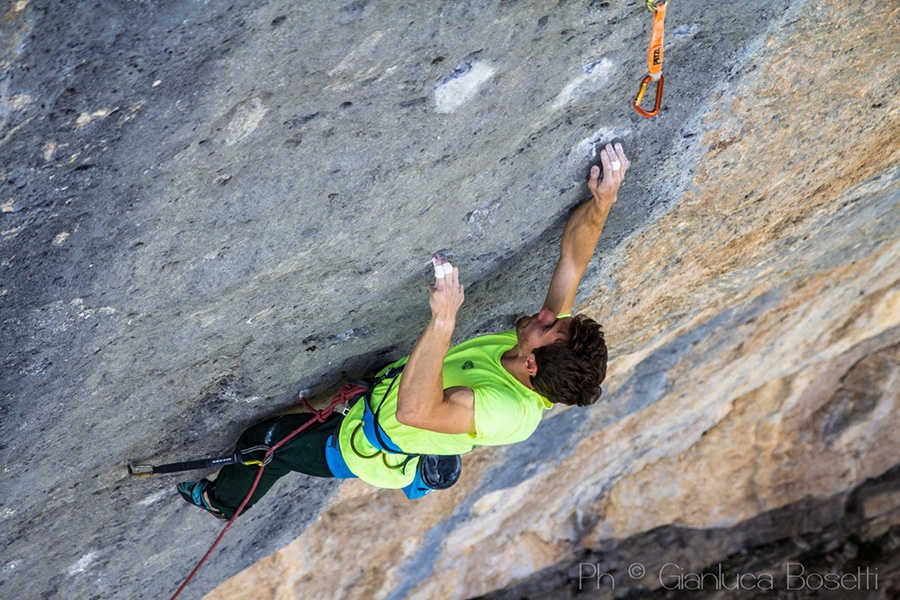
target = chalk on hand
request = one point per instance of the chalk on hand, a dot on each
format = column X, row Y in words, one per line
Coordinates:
column 438, row 267
column 441, row 270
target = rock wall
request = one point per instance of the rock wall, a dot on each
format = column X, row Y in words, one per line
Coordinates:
column 208, row 207
column 841, row 546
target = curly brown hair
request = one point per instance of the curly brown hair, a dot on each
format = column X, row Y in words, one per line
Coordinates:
column 571, row 370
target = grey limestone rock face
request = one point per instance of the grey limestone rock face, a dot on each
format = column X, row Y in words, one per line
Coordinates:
column 208, row 208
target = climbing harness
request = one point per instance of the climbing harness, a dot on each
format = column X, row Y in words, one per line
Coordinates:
column 347, row 394
column 433, row 472
column 654, row 59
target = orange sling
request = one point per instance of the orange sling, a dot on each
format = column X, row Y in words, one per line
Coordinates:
column 654, row 59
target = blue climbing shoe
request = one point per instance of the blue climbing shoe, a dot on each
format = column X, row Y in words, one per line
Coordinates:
column 192, row 492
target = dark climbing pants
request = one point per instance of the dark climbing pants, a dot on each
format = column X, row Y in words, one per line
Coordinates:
column 305, row 453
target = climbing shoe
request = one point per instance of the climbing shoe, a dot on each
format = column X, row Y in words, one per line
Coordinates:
column 192, row 492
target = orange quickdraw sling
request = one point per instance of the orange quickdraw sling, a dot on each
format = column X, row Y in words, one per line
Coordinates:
column 654, row 59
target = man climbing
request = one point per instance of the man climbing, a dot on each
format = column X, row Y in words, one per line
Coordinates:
column 424, row 410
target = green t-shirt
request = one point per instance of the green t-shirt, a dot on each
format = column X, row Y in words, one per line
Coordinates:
column 506, row 412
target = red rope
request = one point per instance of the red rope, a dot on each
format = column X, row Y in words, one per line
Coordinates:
column 347, row 393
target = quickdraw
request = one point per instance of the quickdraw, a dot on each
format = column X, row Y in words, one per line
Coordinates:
column 204, row 463
column 654, row 59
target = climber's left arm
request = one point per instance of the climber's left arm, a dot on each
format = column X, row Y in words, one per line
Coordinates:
column 582, row 230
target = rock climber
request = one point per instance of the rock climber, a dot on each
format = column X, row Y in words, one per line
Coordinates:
column 424, row 410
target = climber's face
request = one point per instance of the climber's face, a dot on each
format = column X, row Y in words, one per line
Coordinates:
column 541, row 329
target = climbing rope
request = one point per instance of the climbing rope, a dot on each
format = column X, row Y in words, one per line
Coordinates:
column 347, row 393
column 654, row 59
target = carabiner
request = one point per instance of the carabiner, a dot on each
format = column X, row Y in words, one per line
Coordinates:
column 659, row 91
column 140, row 470
column 267, row 458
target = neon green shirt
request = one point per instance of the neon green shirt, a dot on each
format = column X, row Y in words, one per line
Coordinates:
column 506, row 412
